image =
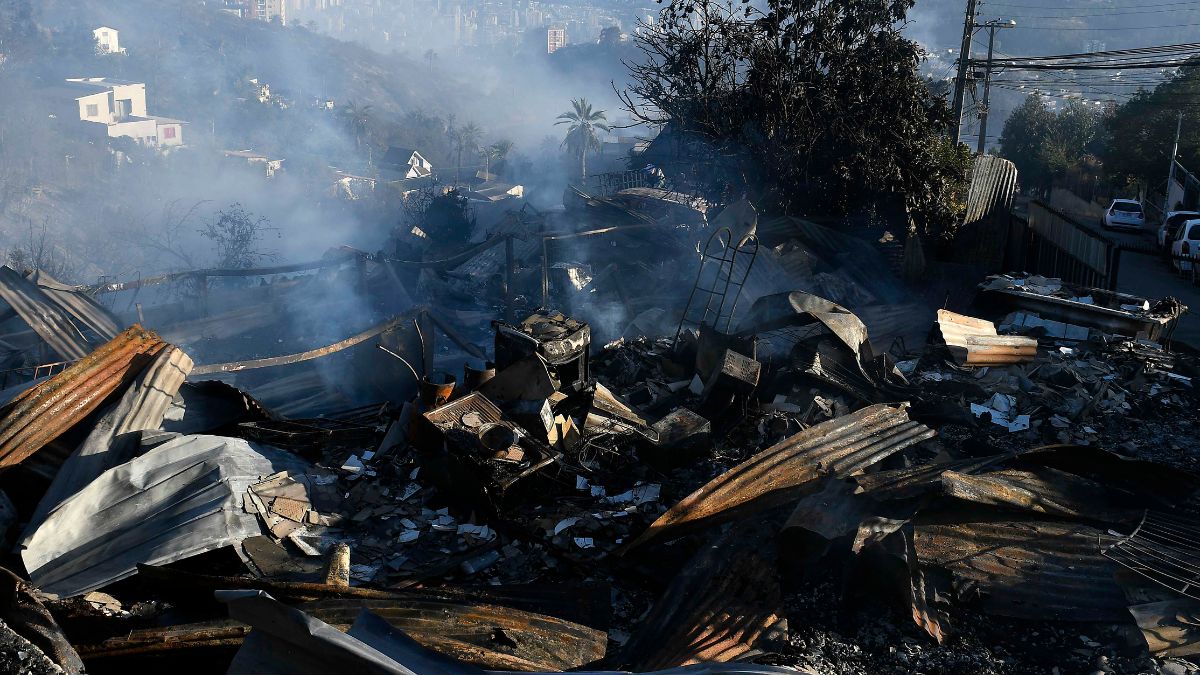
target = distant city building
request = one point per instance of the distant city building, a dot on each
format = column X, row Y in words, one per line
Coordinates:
column 556, row 39
column 108, row 41
column 269, row 10
column 259, row 10
column 1095, row 46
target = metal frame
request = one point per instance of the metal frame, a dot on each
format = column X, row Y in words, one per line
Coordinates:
column 1164, row 548
column 718, row 250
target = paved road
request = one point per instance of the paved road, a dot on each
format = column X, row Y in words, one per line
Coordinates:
column 1151, row 277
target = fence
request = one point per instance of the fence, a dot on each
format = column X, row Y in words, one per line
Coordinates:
column 983, row 238
column 1059, row 246
column 605, row 184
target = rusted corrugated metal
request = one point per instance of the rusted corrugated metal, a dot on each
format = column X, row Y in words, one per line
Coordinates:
column 838, row 447
column 975, row 342
column 78, row 304
column 42, row 314
column 111, row 441
column 463, row 631
column 920, row 479
column 715, row 609
column 1047, row 491
column 466, row 631
column 1040, row 570
column 46, row 411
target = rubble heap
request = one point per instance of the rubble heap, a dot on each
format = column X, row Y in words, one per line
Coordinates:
column 1016, row 494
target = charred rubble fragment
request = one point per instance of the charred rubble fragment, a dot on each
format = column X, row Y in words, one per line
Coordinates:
column 723, row 485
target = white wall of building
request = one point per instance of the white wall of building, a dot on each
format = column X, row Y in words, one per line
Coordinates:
column 108, row 40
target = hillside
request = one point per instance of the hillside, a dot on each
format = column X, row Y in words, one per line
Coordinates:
column 63, row 189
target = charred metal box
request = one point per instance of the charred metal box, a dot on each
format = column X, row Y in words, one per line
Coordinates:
column 731, row 384
column 562, row 342
column 486, row 457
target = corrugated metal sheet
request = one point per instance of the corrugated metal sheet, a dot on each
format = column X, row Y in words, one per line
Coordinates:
column 78, row 304
column 45, row 412
column 919, row 479
column 1041, row 570
column 983, row 238
column 459, row 630
column 1169, row 627
column 1047, row 491
column 111, row 441
column 180, row 499
column 464, row 631
column 713, row 611
column 838, row 447
column 975, row 342
column 1070, row 237
column 43, row 314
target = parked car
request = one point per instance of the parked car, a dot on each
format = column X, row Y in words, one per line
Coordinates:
column 1170, row 224
column 1186, row 243
column 1124, row 214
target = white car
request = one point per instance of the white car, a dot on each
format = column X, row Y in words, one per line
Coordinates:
column 1124, row 214
column 1186, row 243
column 1170, row 224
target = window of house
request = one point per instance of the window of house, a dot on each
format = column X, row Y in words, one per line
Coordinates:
column 93, row 110
column 168, row 132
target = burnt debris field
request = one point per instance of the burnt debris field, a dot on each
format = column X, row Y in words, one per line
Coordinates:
column 672, row 461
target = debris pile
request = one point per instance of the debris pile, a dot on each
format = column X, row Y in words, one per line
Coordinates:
column 777, row 496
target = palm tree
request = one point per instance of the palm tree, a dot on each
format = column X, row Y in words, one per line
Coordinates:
column 466, row 139
column 495, row 153
column 358, row 118
column 581, row 135
column 502, row 148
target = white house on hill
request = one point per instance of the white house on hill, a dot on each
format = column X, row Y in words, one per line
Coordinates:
column 407, row 162
column 121, row 107
column 108, row 40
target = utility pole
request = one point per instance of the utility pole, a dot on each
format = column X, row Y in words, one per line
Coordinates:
column 987, row 77
column 960, row 82
column 1171, row 169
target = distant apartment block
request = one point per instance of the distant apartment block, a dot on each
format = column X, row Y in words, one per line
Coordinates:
column 108, row 40
column 120, row 106
column 269, row 10
column 556, row 38
column 261, row 10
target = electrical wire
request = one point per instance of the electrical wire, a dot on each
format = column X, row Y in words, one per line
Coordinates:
column 1006, row 4
column 1121, row 28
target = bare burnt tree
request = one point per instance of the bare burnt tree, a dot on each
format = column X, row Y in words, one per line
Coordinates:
column 40, row 253
column 237, row 236
column 811, row 107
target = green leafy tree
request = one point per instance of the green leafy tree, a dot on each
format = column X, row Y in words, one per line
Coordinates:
column 1046, row 145
column 581, row 134
column 1141, row 132
column 810, row 107
column 1026, row 133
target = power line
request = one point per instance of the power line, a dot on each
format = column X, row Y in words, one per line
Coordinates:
column 1067, row 9
column 1123, row 28
column 1161, row 49
column 1060, row 17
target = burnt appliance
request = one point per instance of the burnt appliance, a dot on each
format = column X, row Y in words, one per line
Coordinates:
column 562, row 342
column 485, row 458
